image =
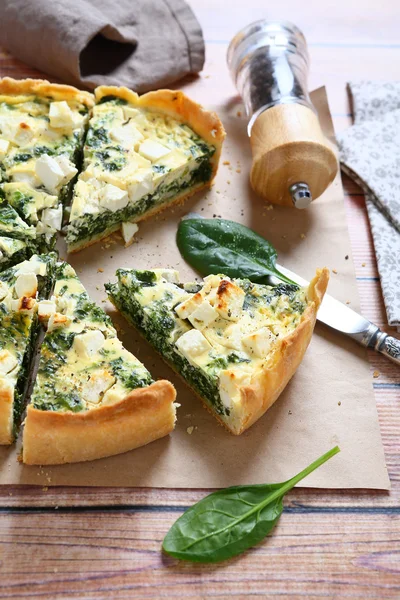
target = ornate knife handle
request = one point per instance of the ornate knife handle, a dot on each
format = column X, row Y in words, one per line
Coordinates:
column 387, row 345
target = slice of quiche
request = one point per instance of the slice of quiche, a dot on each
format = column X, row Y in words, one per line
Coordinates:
column 21, row 288
column 141, row 155
column 235, row 343
column 92, row 398
column 41, row 135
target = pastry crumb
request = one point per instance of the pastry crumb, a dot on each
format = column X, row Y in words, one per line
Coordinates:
column 190, row 430
column 339, row 403
column 239, row 113
column 303, row 236
column 363, row 264
column 45, row 488
column 347, row 301
column 375, row 374
column 99, row 270
column 226, row 162
column 269, row 207
column 238, row 170
column 334, row 271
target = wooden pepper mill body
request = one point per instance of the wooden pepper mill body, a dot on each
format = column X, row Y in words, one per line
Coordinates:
column 289, row 148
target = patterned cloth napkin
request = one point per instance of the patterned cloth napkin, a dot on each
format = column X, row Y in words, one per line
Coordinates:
column 370, row 154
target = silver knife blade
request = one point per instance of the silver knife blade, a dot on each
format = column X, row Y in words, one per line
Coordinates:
column 333, row 312
column 338, row 316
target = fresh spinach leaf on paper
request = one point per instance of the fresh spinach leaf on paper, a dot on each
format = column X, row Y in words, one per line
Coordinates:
column 232, row 520
column 222, row 246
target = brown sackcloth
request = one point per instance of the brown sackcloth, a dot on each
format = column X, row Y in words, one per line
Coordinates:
column 142, row 44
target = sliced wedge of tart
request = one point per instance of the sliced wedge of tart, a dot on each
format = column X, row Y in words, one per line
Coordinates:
column 41, row 136
column 141, row 155
column 21, row 288
column 92, row 398
column 235, row 343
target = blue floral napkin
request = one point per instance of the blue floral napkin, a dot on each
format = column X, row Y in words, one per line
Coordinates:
column 370, row 154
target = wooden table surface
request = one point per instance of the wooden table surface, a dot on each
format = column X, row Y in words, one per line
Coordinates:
column 105, row 543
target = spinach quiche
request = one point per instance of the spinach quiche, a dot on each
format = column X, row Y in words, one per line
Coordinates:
column 21, row 288
column 92, row 398
column 236, row 343
column 42, row 126
column 142, row 153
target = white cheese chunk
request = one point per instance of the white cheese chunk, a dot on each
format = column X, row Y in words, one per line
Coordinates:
column 3, row 290
column 230, row 382
column 46, row 308
column 113, row 198
column 89, row 343
column 26, row 285
column 128, row 232
column 67, row 168
column 203, row 315
column 259, row 343
column 49, row 171
column 130, row 112
column 126, row 135
column 185, row 308
column 52, row 217
column 97, row 384
column 7, row 361
column 23, row 304
column 153, row 150
column 34, row 265
column 57, row 320
column 4, row 144
column 170, row 275
column 229, row 301
column 61, row 115
column 23, row 134
column 141, row 184
column 192, row 344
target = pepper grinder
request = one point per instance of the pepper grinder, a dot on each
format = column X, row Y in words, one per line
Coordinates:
column 293, row 162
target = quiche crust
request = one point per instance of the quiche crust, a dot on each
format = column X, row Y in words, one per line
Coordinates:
column 144, row 415
column 6, row 413
column 42, row 87
column 270, row 381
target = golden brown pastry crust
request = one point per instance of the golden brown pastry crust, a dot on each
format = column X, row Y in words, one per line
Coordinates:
column 144, row 415
column 271, row 380
column 176, row 104
column 42, row 87
column 6, row 414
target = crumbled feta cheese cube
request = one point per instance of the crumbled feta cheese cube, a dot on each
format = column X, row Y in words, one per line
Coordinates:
column 229, row 301
column 89, row 343
column 57, row 320
column 61, row 115
column 26, row 285
column 128, row 232
column 23, row 134
column 23, row 304
column 141, row 184
column 130, row 112
column 126, row 135
column 97, row 384
column 7, row 361
column 259, row 343
column 192, row 344
column 46, row 308
column 34, row 265
column 67, row 168
column 203, row 315
column 170, row 275
column 185, row 308
column 49, row 171
column 3, row 290
column 230, row 382
column 52, row 217
column 153, row 150
column 4, row 144
column 113, row 198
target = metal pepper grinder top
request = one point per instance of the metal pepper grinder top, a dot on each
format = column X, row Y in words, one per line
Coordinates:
column 293, row 162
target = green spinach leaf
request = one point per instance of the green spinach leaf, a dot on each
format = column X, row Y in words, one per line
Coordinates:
column 221, row 246
column 232, row 520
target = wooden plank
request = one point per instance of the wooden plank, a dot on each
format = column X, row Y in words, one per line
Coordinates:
column 117, row 555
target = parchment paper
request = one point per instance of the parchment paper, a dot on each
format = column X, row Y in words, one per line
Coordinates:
column 330, row 399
